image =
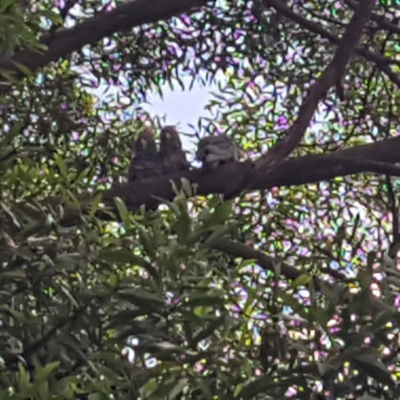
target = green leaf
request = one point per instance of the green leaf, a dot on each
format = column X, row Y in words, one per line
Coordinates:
column 146, row 240
column 7, row 154
column 142, row 298
column 122, row 256
column 149, row 388
column 302, row 280
column 52, row 16
column 43, row 373
column 208, row 330
column 205, row 300
column 364, row 278
column 113, row 280
column 61, row 165
column 25, row 70
column 5, row 5
column 368, row 363
column 94, row 205
column 123, row 212
column 217, row 234
column 9, row 75
column 23, row 379
column 222, row 213
column 176, row 389
column 33, row 227
column 383, row 318
column 259, row 385
column 187, row 188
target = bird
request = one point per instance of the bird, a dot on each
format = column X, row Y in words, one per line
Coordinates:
column 213, row 151
column 146, row 161
column 172, row 156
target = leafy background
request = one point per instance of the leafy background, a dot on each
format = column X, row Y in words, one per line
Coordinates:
column 153, row 305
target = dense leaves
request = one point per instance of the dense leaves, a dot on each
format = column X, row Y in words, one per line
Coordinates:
column 290, row 293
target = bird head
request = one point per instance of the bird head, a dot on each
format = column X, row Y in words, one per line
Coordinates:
column 145, row 142
column 170, row 139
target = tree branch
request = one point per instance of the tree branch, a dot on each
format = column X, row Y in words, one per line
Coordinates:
column 125, row 17
column 376, row 157
column 394, row 210
column 240, row 250
column 379, row 19
column 380, row 61
column 330, row 77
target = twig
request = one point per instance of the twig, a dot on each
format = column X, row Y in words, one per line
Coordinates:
column 63, row 15
column 383, row 63
column 104, row 24
column 394, row 210
column 380, row 20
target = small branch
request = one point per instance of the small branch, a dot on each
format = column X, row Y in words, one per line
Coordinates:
column 63, row 11
column 394, row 210
column 236, row 249
column 380, row 20
column 383, row 63
column 330, row 77
column 38, row 344
column 239, row 250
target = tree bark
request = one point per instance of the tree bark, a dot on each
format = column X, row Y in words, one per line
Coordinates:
column 123, row 18
column 376, row 157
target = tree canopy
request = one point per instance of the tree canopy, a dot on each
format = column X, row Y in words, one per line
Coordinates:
column 271, row 278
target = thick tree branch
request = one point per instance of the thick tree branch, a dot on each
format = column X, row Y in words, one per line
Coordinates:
column 376, row 157
column 329, row 78
column 124, row 17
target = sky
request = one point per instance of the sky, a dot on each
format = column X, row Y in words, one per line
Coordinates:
column 180, row 108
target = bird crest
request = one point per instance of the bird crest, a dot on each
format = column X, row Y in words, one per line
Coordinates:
column 145, row 141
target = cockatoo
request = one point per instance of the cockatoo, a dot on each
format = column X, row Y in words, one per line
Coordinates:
column 146, row 161
column 213, row 151
column 172, row 156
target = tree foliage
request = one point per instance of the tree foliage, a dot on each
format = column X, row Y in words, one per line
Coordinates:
column 288, row 289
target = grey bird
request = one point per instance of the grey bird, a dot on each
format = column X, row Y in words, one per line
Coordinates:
column 146, row 161
column 172, row 156
column 213, row 151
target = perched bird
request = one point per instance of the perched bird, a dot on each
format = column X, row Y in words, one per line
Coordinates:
column 171, row 153
column 216, row 150
column 146, row 162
